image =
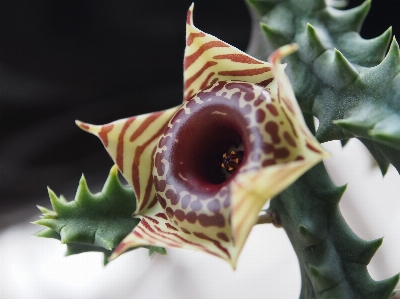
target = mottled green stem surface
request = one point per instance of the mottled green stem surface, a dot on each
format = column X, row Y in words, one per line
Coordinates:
column 333, row 260
column 352, row 86
column 345, row 81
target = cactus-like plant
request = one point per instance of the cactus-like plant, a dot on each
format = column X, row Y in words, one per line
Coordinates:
column 201, row 172
column 340, row 78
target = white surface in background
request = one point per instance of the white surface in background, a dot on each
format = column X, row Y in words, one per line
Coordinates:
column 371, row 203
column 36, row 268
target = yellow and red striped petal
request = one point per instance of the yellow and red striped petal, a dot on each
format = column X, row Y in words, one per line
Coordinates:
column 208, row 60
column 251, row 190
column 161, row 230
column 131, row 143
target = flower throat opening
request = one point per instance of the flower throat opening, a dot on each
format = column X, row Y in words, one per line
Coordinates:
column 211, row 150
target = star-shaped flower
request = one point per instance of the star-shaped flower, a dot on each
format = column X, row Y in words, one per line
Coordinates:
column 203, row 170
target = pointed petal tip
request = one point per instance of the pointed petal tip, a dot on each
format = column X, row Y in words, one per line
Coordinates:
column 233, row 265
column 189, row 18
column 87, row 127
column 121, row 248
column 282, row 52
column 112, row 257
column 82, row 125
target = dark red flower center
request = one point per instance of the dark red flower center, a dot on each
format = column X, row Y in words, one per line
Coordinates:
column 210, row 140
column 210, row 131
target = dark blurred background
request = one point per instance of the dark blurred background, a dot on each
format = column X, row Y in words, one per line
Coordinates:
column 97, row 61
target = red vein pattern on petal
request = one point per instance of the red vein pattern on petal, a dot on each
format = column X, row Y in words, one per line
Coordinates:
column 238, row 58
column 224, row 62
column 157, row 230
column 131, row 143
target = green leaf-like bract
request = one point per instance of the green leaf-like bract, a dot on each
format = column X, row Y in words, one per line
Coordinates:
column 333, row 260
column 91, row 222
column 339, row 77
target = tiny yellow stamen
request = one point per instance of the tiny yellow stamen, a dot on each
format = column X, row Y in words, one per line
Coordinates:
column 231, row 161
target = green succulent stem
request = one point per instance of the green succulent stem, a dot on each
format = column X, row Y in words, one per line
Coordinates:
column 333, row 260
column 92, row 222
column 352, row 85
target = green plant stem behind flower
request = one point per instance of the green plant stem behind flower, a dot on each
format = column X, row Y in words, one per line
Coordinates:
column 333, row 260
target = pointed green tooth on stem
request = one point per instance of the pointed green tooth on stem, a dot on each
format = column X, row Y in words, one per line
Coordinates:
column 358, row 127
column 47, row 233
column 46, row 212
column 58, row 203
column 350, row 19
column 343, row 142
column 368, row 251
column 68, row 236
column 379, row 158
column 103, row 241
column 113, row 184
column 390, row 66
column 334, row 69
column 83, row 193
column 344, row 68
column 385, row 287
column 274, row 36
column 308, row 235
column 387, row 131
column 377, row 47
column 323, row 278
column 311, row 45
column 303, row 230
column 336, row 195
column 112, row 179
column 373, row 50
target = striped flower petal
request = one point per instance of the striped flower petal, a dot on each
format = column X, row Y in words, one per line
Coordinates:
column 131, row 143
column 208, row 60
